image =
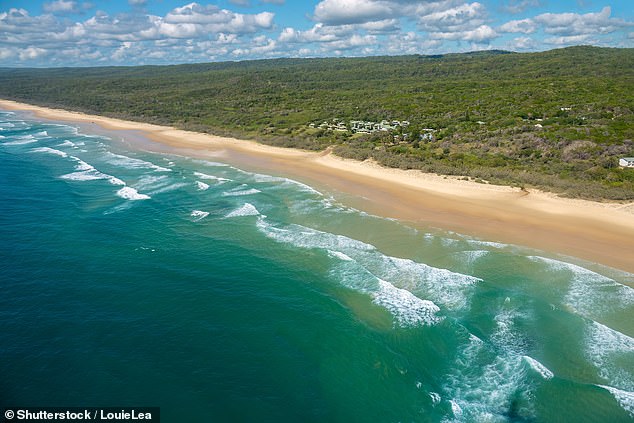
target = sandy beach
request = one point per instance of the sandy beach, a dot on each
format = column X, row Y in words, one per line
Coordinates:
column 598, row 232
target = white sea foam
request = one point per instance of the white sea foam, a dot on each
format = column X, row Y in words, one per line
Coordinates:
column 408, row 309
column 67, row 143
column 247, row 209
column 114, row 180
column 261, row 178
column 304, row 187
column 450, row 289
column 590, row 294
column 339, row 255
column 87, row 172
column 357, row 268
column 240, row 192
column 485, row 395
column 258, row 177
column 543, row 371
column 168, row 188
column 49, row 151
column 23, row 140
column 487, row 392
column 205, row 176
column 435, row 397
column 132, row 163
column 506, row 336
column 202, row 186
column 42, row 134
column 199, row 214
column 470, row 257
column 82, row 165
column 624, row 398
column 211, row 164
column 83, row 176
column 492, row 244
column 147, row 182
column 304, row 237
column 332, row 204
column 128, row 193
column 443, row 287
column 455, row 409
column 606, row 348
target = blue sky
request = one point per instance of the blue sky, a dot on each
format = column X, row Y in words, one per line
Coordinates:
column 132, row 32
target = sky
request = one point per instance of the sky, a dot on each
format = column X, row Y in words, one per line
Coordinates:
column 54, row 33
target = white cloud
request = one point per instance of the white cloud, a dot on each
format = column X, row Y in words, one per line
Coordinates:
column 318, row 33
column 197, row 32
column 31, row 53
column 461, row 18
column 60, row 6
column 227, row 38
column 353, row 41
column 130, row 37
column 387, row 25
column 570, row 24
column 569, row 28
column 121, row 27
column 342, row 12
column 525, row 26
column 518, row 6
column 481, row 34
column 65, row 7
column 215, row 19
column 18, row 27
column 412, row 43
column 466, row 22
column 522, row 43
column 569, row 40
column 182, row 30
column 244, row 3
column 6, row 53
column 351, row 12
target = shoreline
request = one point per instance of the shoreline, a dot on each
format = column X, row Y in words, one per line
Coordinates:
column 598, row 232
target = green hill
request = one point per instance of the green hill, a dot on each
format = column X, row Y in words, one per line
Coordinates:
column 557, row 120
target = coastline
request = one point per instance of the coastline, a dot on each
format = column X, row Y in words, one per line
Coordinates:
column 597, row 232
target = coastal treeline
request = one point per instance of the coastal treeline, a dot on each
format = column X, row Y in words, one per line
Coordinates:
column 557, row 120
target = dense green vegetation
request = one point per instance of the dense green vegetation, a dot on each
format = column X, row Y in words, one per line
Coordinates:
column 486, row 108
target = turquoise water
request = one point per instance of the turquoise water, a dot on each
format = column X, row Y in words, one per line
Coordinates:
column 142, row 279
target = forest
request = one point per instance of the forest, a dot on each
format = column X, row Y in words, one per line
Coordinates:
column 557, row 120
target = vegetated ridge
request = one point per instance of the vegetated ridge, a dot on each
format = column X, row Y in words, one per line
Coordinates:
column 557, row 120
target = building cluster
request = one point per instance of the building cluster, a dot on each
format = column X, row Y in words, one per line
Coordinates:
column 367, row 127
column 626, row 162
column 361, row 126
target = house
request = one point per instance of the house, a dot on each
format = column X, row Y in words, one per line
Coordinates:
column 626, row 162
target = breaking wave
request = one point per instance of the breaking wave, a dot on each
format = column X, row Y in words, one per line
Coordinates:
column 247, row 209
column 132, row 163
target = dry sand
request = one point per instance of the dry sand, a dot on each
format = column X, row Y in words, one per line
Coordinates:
column 598, row 232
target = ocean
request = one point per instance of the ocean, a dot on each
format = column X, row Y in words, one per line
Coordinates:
column 132, row 278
